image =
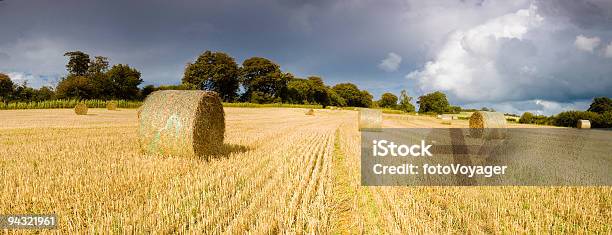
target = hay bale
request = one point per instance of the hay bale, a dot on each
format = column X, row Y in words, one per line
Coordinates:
column 583, row 124
column 447, row 120
column 490, row 125
column 310, row 112
column 370, row 119
column 112, row 105
column 181, row 123
column 80, row 109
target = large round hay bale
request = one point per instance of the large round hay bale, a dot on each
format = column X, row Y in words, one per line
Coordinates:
column 583, row 124
column 80, row 109
column 181, row 123
column 112, row 105
column 488, row 125
column 310, row 112
column 370, row 119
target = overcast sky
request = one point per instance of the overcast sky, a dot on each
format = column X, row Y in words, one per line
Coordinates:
column 515, row 56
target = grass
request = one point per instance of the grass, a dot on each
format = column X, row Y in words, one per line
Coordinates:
column 273, row 105
column 63, row 104
column 284, row 172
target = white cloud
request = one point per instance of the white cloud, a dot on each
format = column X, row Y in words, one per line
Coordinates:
column 391, row 63
column 466, row 64
column 608, row 51
column 514, row 63
column 586, row 44
column 537, row 106
column 19, row 77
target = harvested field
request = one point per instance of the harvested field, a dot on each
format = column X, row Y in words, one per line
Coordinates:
column 280, row 171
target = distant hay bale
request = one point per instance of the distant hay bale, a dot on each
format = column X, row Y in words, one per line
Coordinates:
column 80, row 109
column 310, row 112
column 447, row 117
column 490, row 125
column 181, row 123
column 112, row 105
column 370, row 119
column 447, row 120
column 583, row 124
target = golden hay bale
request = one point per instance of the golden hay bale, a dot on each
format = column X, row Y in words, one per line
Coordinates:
column 80, row 109
column 488, row 124
column 370, row 118
column 583, row 124
column 112, row 105
column 181, row 123
column 310, row 112
column 447, row 120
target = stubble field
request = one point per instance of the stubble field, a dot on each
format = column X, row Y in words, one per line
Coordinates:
column 280, row 171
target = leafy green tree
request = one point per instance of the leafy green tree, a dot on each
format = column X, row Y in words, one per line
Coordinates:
column 388, row 100
column 527, row 118
column 601, row 105
column 263, row 81
column 433, row 102
column 98, row 66
column 299, row 91
column 405, row 103
column 307, row 91
column 124, row 81
column 214, row 71
column 605, row 120
column 570, row 118
column 352, row 95
column 335, row 99
column 76, row 87
column 23, row 92
column 43, row 93
column 6, row 87
column 97, row 74
column 146, row 90
column 454, row 109
column 78, row 63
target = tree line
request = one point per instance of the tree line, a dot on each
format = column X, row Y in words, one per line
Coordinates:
column 599, row 113
column 261, row 80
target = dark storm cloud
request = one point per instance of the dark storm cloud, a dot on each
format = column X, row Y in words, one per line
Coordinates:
column 340, row 40
column 585, row 14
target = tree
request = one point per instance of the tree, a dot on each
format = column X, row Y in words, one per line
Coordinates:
column 601, row 105
column 433, row 102
column 146, row 90
column 214, row 71
column 388, row 100
column 44, row 93
column 23, row 93
column 98, row 66
column 334, row 98
column 527, row 118
column 570, row 118
column 263, row 81
column 352, row 95
column 299, row 91
column 78, row 64
column 124, row 81
column 405, row 103
column 76, row 87
column 6, row 87
column 97, row 75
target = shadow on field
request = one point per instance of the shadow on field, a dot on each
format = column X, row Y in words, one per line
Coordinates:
column 225, row 151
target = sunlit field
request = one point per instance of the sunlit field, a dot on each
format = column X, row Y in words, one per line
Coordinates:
column 280, row 171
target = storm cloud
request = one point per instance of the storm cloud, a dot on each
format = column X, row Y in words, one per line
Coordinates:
column 510, row 55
